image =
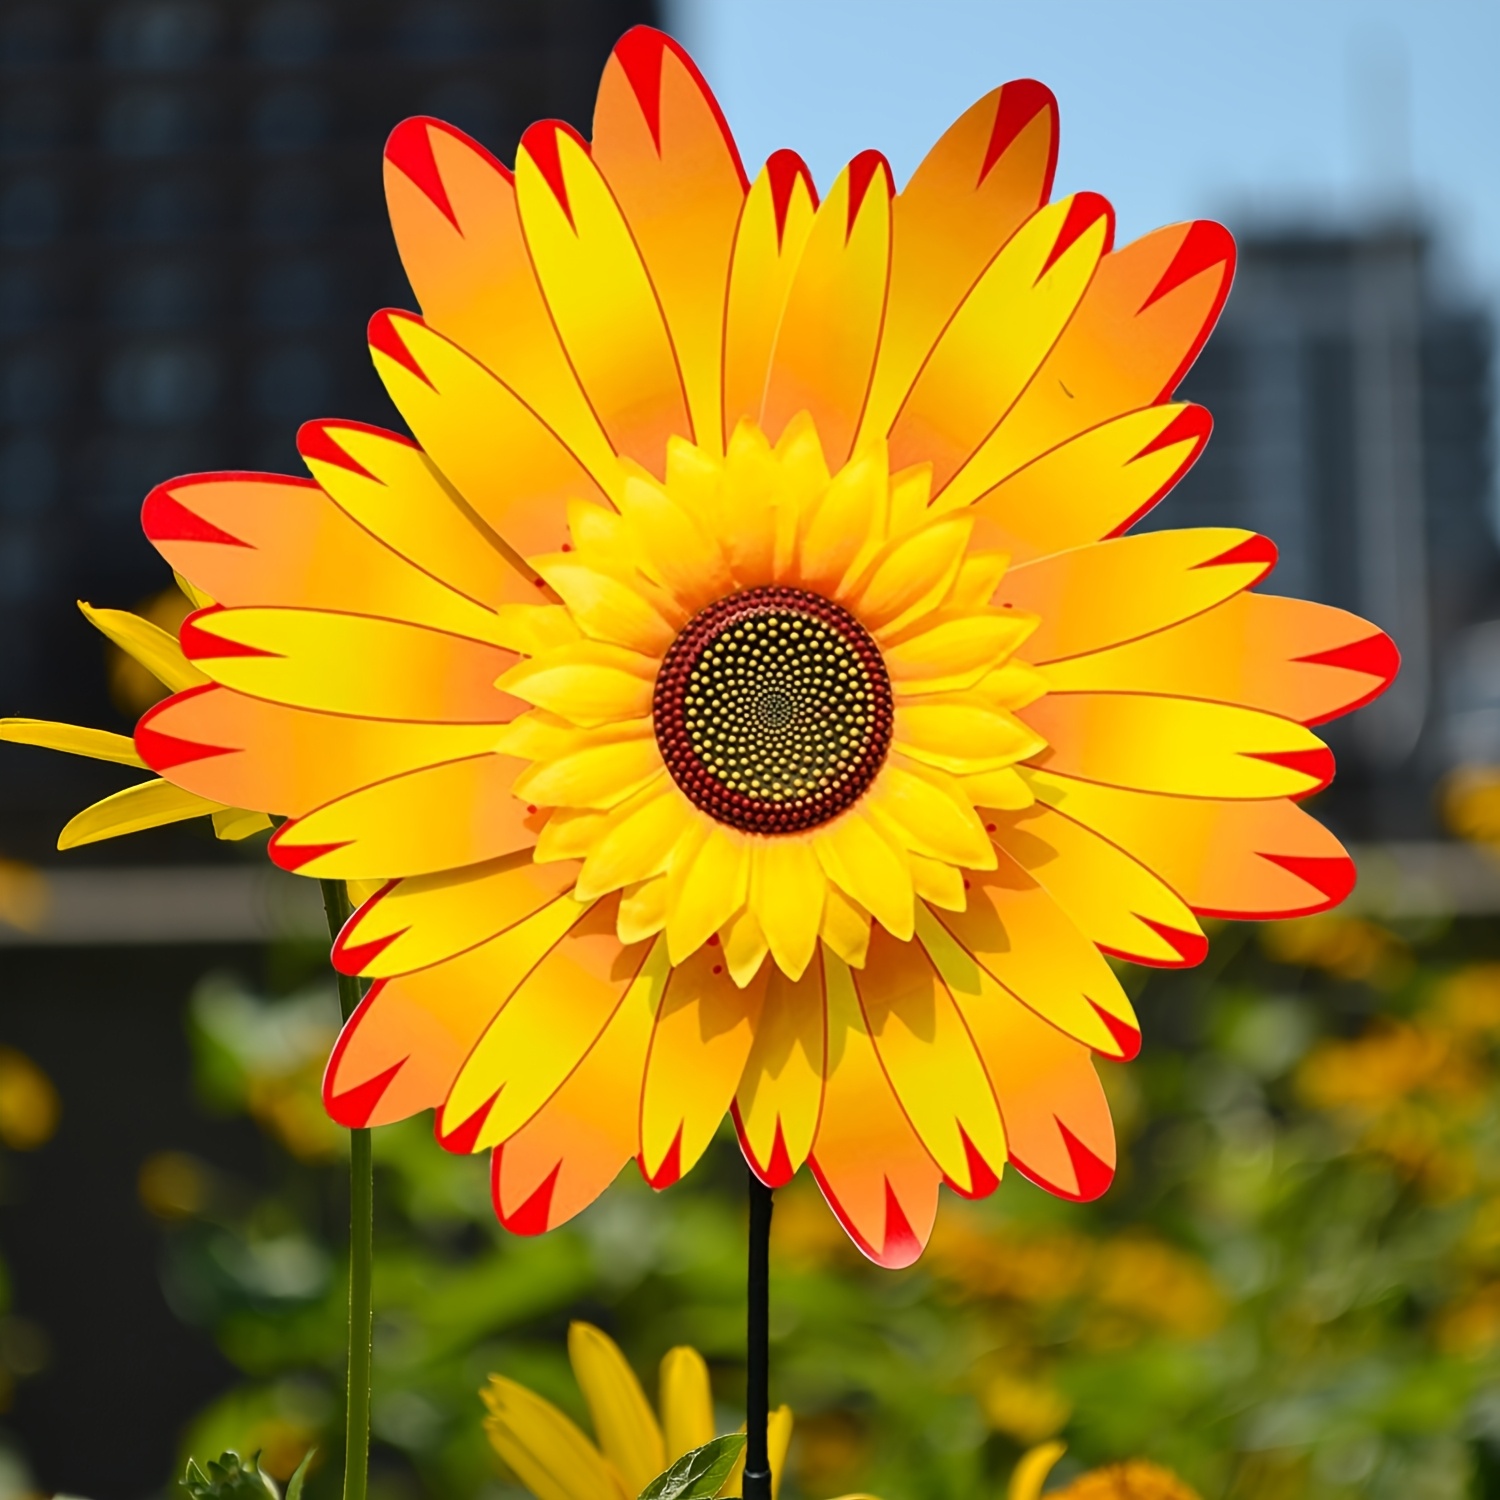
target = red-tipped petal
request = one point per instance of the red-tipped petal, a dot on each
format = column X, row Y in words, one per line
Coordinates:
column 982, row 1177
column 862, row 171
column 1126, row 1037
column 1021, row 101
column 1317, row 764
column 288, row 855
column 164, row 518
column 784, row 170
column 1206, row 245
column 409, row 150
column 384, row 335
column 532, row 1216
column 352, row 1109
column 199, row 643
column 1083, row 213
column 1254, row 549
column 671, row 1165
column 460, row 1140
column 1332, row 876
column 316, row 441
column 163, row 751
column 540, row 144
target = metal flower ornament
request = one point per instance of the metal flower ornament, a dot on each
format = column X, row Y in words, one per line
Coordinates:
column 748, row 685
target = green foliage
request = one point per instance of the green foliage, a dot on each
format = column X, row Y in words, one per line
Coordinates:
column 229, row 1477
column 698, row 1474
column 1292, row 1292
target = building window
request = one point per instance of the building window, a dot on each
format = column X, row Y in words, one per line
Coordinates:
column 150, row 122
column 31, row 211
column 161, row 385
column 289, row 119
column 294, row 294
column 165, row 209
column 292, row 33
column 291, row 383
column 160, row 34
column 33, row 386
column 290, row 205
column 162, row 295
column 28, row 475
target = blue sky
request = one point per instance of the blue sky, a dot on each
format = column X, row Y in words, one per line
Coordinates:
column 1244, row 111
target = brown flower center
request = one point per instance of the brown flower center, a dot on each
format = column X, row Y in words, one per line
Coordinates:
column 773, row 710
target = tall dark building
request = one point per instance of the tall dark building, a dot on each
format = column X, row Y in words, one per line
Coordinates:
column 192, row 236
column 1352, row 412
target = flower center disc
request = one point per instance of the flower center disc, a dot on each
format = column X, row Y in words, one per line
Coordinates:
column 773, row 710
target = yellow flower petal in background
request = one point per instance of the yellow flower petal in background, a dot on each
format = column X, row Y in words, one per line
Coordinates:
column 1032, row 1469
column 623, row 1419
column 687, row 1400
column 546, row 1452
column 149, row 805
column 72, row 739
column 149, row 644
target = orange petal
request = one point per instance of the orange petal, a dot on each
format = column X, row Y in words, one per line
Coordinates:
column 989, row 172
column 830, row 330
column 246, row 752
column 599, row 294
column 1225, row 859
column 663, row 146
column 780, row 1095
column 1291, row 657
column 1093, row 486
column 401, row 1050
column 453, row 210
column 773, row 229
column 573, row 1147
column 873, row 1170
column 702, row 1037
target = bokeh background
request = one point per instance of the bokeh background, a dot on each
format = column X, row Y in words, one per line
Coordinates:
column 1294, row 1288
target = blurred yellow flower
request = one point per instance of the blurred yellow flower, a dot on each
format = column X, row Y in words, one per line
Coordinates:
column 1136, row 1479
column 1025, row 1409
column 24, row 896
column 555, row 1461
column 29, row 1106
column 1471, row 803
column 1346, row 947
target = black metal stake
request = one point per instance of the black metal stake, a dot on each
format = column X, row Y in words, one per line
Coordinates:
column 757, row 1481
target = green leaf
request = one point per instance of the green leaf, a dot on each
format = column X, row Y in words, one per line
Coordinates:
column 700, row 1474
column 230, row 1477
column 299, row 1474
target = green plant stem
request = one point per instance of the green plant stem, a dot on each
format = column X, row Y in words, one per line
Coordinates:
column 361, row 1246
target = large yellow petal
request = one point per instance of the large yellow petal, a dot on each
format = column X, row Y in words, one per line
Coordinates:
column 623, row 1420
column 962, row 733
column 149, row 805
column 601, row 771
column 912, row 577
column 868, row 868
column 924, row 810
column 546, row 1452
column 787, row 890
column 587, row 683
column 952, row 651
column 611, row 602
column 706, row 884
column 638, row 839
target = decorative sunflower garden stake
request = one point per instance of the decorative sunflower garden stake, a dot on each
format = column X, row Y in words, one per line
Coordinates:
column 747, row 688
